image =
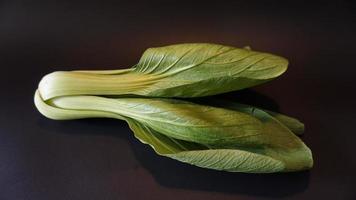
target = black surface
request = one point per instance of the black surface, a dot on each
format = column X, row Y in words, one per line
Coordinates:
column 100, row 159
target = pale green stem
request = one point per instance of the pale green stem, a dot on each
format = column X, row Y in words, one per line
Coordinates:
column 84, row 83
column 57, row 113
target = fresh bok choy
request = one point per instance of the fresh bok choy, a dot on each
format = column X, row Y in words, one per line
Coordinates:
column 183, row 70
column 223, row 136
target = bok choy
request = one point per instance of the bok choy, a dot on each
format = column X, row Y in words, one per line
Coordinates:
column 211, row 134
column 242, row 139
column 183, row 70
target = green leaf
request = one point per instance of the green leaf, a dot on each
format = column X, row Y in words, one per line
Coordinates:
column 291, row 123
column 183, row 70
column 233, row 160
column 206, row 136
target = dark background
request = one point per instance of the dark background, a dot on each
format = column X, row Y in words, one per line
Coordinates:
column 41, row 159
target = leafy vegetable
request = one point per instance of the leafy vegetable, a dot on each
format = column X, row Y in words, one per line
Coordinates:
column 183, row 70
column 238, row 139
column 219, row 135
